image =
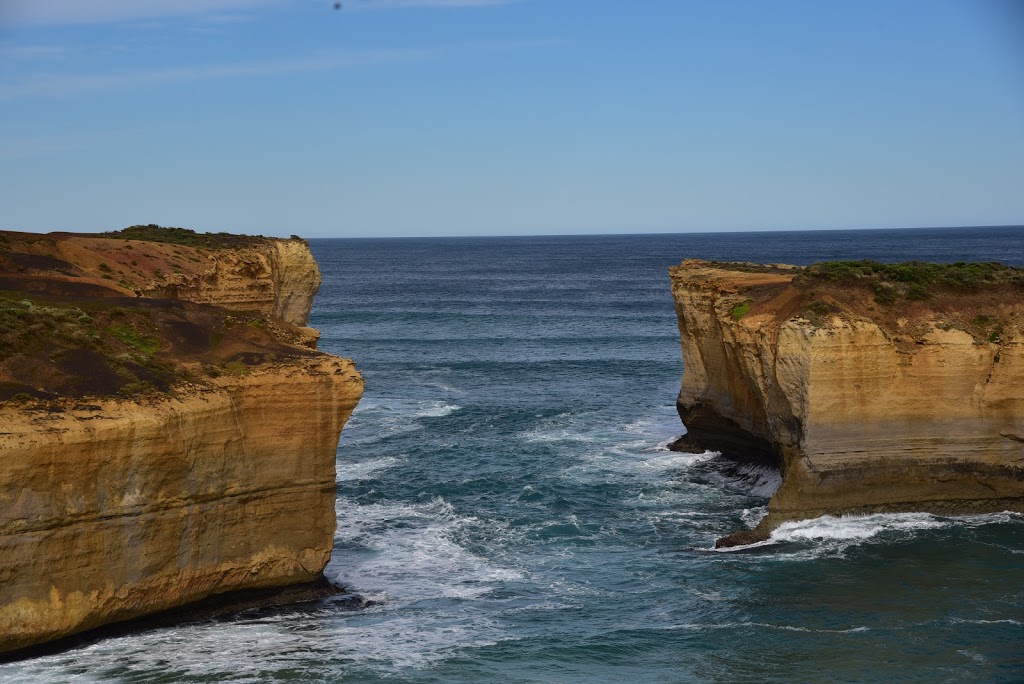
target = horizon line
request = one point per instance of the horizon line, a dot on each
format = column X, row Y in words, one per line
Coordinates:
column 682, row 232
column 552, row 235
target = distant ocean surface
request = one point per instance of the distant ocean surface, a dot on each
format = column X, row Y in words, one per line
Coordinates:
column 505, row 493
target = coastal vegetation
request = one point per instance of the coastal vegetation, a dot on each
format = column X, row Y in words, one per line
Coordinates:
column 849, row 376
column 152, row 232
column 913, row 280
column 905, row 299
column 52, row 348
column 740, row 310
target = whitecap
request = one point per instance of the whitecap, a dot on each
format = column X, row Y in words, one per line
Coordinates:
column 837, row 533
column 766, row 625
column 412, row 552
column 978, row 621
column 362, row 470
column 752, row 516
column 435, row 409
column 555, row 435
column 376, row 419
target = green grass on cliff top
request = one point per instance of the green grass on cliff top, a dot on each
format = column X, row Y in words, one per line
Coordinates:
column 117, row 346
column 914, row 280
column 183, row 236
column 962, row 275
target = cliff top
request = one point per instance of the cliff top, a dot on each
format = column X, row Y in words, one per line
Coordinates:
column 186, row 236
column 906, row 299
column 54, row 347
column 102, row 315
column 127, row 262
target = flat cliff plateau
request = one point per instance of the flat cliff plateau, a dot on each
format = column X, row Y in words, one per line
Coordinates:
column 277, row 278
column 155, row 452
column 873, row 387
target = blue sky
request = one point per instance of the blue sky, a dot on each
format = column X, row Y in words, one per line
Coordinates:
column 492, row 117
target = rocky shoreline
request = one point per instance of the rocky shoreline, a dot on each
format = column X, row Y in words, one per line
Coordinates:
column 873, row 388
column 157, row 453
column 227, row 606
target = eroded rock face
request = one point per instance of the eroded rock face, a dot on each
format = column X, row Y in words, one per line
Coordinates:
column 112, row 509
column 154, row 453
column 859, row 416
column 277, row 277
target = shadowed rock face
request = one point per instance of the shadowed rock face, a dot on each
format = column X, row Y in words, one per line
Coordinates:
column 865, row 407
column 155, row 452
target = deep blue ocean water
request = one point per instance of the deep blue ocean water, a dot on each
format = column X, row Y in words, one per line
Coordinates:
column 505, row 493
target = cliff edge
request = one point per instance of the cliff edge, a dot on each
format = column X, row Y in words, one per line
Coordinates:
column 873, row 388
column 275, row 277
column 154, row 451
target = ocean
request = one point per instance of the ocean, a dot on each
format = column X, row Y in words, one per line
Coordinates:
column 506, row 497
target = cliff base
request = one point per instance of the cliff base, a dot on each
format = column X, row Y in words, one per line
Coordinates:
column 875, row 388
column 222, row 607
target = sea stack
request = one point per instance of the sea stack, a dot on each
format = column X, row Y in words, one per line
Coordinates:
column 873, row 387
column 167, row 428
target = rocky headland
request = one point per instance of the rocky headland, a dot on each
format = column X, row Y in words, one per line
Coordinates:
column 167, row 428
column 872, row 387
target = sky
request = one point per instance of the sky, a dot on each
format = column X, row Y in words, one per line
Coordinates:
column 505, row 117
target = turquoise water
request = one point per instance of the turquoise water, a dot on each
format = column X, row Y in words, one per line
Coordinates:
column 506, row 495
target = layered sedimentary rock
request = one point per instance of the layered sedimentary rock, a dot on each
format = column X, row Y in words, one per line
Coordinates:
column 114, row 509
column 275, row 277
column 865, row 406
column 156, row 452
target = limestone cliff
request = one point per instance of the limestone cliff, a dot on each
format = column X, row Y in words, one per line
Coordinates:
column 114, row 509
column 277, row 278
column 155, row 452
column 866, row 400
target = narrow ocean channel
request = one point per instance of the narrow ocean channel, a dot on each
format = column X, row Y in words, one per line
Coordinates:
column 506, row 496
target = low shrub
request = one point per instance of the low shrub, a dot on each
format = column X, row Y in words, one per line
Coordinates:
column 740, row 310
column 129, row 335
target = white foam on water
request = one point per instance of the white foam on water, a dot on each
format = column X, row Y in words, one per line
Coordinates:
column 240, row 652
column 973, row 655
column 546, row 606
column 837, row 533
column 246, row 651
column 413, row 553
column 44, row 671
column 709, row 595
column 636, row 461
column 375, row 419
column 435, row 409
column 362, row 470
column 752, row 516
column 659, row 463
column 416, row 641
column 640, row 434
column 1005, row 621
column 854, row 527
column 540, row 435
column 698, row 627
